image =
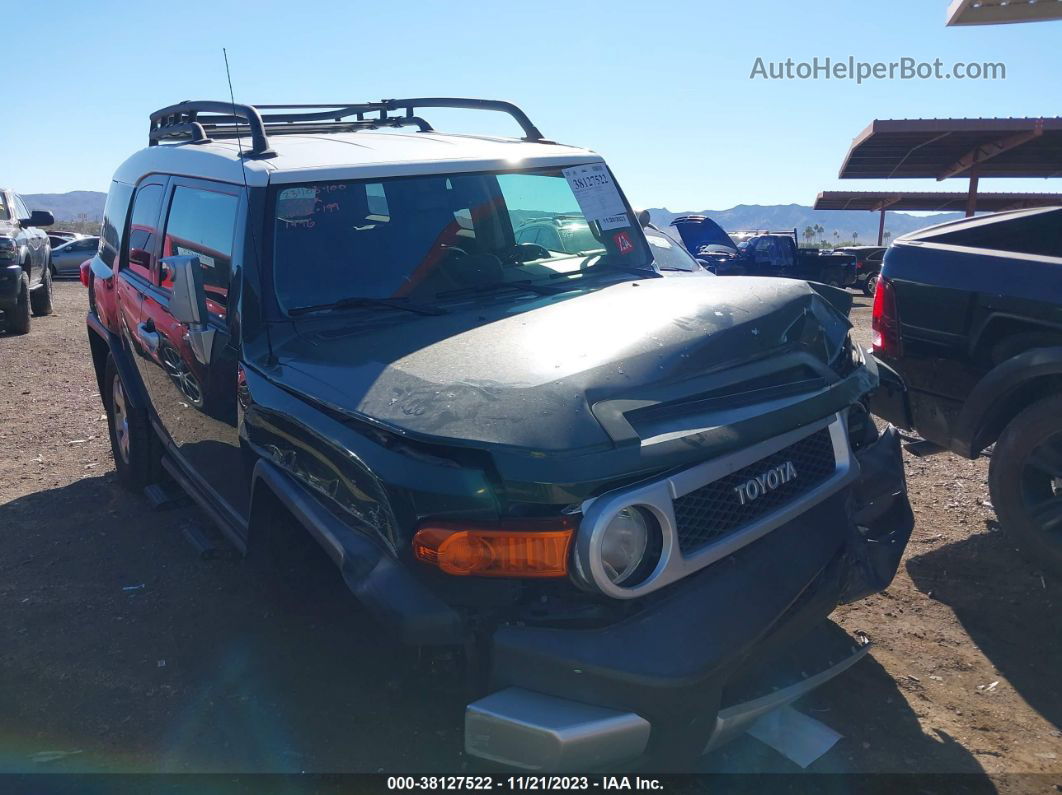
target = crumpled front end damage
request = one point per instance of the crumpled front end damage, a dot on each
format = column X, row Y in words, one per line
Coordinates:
column 709, row 654
column 633, row 385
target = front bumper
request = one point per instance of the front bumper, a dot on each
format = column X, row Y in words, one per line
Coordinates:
column 890, row 400
column 700, row 661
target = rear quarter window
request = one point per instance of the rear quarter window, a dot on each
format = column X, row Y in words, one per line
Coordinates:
column 114, row 221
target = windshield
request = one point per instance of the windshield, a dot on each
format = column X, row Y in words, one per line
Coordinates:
column 424, row 238
column 669, row 255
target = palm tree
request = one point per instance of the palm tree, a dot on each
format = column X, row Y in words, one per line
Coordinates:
column 887, row 235
column 820, row 232
column 809, row 234
column 836, row 237
column 855, row 236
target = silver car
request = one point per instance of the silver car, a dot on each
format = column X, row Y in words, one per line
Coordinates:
column 67, row 258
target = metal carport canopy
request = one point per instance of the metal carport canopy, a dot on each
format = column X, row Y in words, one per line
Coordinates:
column 934, row 201
column 943, row 148
column 994, row 12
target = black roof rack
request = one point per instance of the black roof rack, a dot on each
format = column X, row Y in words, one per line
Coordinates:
column 186, row 120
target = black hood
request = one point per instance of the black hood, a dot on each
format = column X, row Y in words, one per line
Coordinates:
column 527, row 374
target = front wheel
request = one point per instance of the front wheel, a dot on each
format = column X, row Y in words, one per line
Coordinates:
column 870, row 285
column 41, row 298
column 18, row 317
column 1025, row 479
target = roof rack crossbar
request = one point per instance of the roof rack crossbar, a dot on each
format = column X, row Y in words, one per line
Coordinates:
column 173, row 121
column 531, row 132
column 225, row 120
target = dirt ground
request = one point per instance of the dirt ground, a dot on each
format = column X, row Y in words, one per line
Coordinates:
column 121, row 650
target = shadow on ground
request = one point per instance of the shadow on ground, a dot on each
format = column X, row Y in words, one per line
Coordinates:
column 1007, row 606
column 879, row 732
column 131, row 654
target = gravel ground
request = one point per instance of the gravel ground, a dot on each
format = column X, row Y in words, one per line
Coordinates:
column 125, row 652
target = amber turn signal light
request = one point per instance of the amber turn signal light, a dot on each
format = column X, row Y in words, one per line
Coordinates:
column 524, row 548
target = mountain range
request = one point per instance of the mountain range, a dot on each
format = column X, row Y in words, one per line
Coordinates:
column 69, row 206
column 849, row 225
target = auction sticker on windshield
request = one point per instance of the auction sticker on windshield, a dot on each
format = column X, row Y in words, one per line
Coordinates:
column 598, row 197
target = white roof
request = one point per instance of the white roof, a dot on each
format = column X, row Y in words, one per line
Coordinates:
column 362, row 154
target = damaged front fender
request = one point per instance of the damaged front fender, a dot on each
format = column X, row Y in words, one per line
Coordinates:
column 882, row 516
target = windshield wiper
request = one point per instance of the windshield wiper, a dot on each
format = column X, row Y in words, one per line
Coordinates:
column 646, row 272
column 497, row 287
column 357, row 301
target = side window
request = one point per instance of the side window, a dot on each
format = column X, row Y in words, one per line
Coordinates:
column 5, row 214
column 114, row 221
column 143, row 234
column 549, row 239
column 376, row 200
column 21, row 211
column 529, row 234
column 203, row 223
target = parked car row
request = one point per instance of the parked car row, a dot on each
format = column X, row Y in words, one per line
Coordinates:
column 763, row 253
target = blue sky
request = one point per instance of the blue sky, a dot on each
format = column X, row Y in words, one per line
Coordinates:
column 661, row 90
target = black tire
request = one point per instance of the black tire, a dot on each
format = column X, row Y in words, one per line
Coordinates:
column 296, row 563
column 134, row 449
column 869, row 284
column 1025, row 480
column 18, row 319
column 41, row 298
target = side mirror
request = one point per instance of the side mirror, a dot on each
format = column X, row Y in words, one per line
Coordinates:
column 643, row 217
column 38, row 218
column 188, row 303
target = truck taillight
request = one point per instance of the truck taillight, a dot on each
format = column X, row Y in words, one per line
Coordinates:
column 85, row 270
column 885, row 321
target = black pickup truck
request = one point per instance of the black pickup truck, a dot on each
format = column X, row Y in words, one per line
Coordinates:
column 762, row 253
column 777, row 254
column 25, row 278
column 969, row 315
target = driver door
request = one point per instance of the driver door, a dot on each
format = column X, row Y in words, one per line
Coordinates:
column 196, row 400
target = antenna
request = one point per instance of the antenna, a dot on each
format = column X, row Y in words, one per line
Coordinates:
column 246, row 189
column 232, row 98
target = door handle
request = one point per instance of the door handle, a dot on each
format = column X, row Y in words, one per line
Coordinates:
column 149, row 338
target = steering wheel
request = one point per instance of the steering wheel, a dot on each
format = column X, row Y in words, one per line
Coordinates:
column 452, row 249
column 525, row 252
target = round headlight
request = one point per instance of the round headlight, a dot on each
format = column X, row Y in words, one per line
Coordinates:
column 623, row 544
